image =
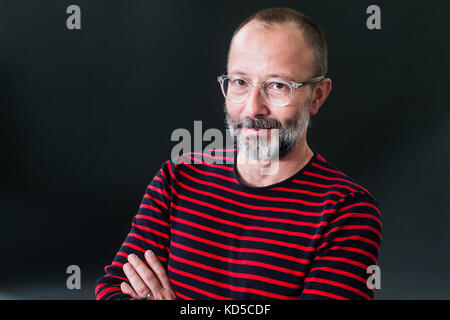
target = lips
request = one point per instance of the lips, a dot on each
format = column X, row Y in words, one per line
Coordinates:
column 257, row 131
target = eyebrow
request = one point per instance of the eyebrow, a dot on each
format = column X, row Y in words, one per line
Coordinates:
column 271, row 75
column 282, row 76
column 240, row 73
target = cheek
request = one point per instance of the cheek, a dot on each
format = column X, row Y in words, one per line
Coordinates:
column 301, row 97
column 284, row 115
column 299, row 105
column 233, row 109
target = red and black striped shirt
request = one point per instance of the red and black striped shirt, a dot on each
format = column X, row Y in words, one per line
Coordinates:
column 311, row 236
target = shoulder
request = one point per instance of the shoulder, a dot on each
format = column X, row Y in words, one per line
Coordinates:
column 332, row 178
column 355, row 204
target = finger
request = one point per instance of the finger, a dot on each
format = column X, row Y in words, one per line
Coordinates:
column 127, row 289
column 135, row 280
column 146, row 274
column 158, row 268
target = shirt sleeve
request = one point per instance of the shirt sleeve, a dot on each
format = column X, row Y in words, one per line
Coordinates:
column 150, row 230
column 350, row 244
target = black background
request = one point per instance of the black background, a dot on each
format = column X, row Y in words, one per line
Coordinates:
column 87, row 115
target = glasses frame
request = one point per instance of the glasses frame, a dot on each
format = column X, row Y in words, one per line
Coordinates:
column 292, row 85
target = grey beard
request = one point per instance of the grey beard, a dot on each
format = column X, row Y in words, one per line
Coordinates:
column 257, row 147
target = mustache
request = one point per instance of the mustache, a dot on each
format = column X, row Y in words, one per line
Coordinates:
column 252, row 123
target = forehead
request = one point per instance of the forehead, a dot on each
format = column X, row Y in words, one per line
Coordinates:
column 259, row 50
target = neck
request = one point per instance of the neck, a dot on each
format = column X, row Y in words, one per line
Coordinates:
column 260, row 174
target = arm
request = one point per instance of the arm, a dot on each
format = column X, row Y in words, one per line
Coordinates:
column 149, row 231
column 350, row 244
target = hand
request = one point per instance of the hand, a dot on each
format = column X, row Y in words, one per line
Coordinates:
column 147, row 283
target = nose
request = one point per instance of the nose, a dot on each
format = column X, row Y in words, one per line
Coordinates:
column 256, row 105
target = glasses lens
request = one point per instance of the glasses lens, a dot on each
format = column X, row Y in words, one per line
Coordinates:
column 277, row 93
column 235, row 89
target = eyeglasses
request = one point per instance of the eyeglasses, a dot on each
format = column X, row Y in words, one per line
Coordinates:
column 276, row 92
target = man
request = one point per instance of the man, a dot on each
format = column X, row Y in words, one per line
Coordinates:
column 235, row 231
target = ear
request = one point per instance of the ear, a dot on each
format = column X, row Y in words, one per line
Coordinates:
column 319, row 95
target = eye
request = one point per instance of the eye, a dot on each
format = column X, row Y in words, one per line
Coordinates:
column 238, row 82
column 275, row 87
column 278, row 86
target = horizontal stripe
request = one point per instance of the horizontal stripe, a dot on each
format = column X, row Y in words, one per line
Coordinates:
column 162, row 204
column 244, row 238
column 310, row 193
column 214, row 165
column 246, row 227
column 288, row 221
column 233, row 274
column 341, row 272
column 324, row 294
column 339, row 285
column 285, row 210
column 238, row 261
column 308, row 237
column 353, row 227
column 230, row 287
column 241, row 249
column 360, row 251
column 153, row 243
column 309, row 203
column 250, row 195
column 344, row 260
column 324, row 186
column 195, row 289
column 164, row 235
column 212, row 174
column 357, row 215
column 107, row 290
column 331, row 178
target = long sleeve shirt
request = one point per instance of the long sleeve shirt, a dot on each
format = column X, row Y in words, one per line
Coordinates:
column 311, row 236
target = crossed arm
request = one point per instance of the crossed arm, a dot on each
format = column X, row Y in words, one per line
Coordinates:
column 151, row 283
column 338, row 271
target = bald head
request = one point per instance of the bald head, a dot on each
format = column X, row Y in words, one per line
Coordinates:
column 281, row 19
column 279, row 49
